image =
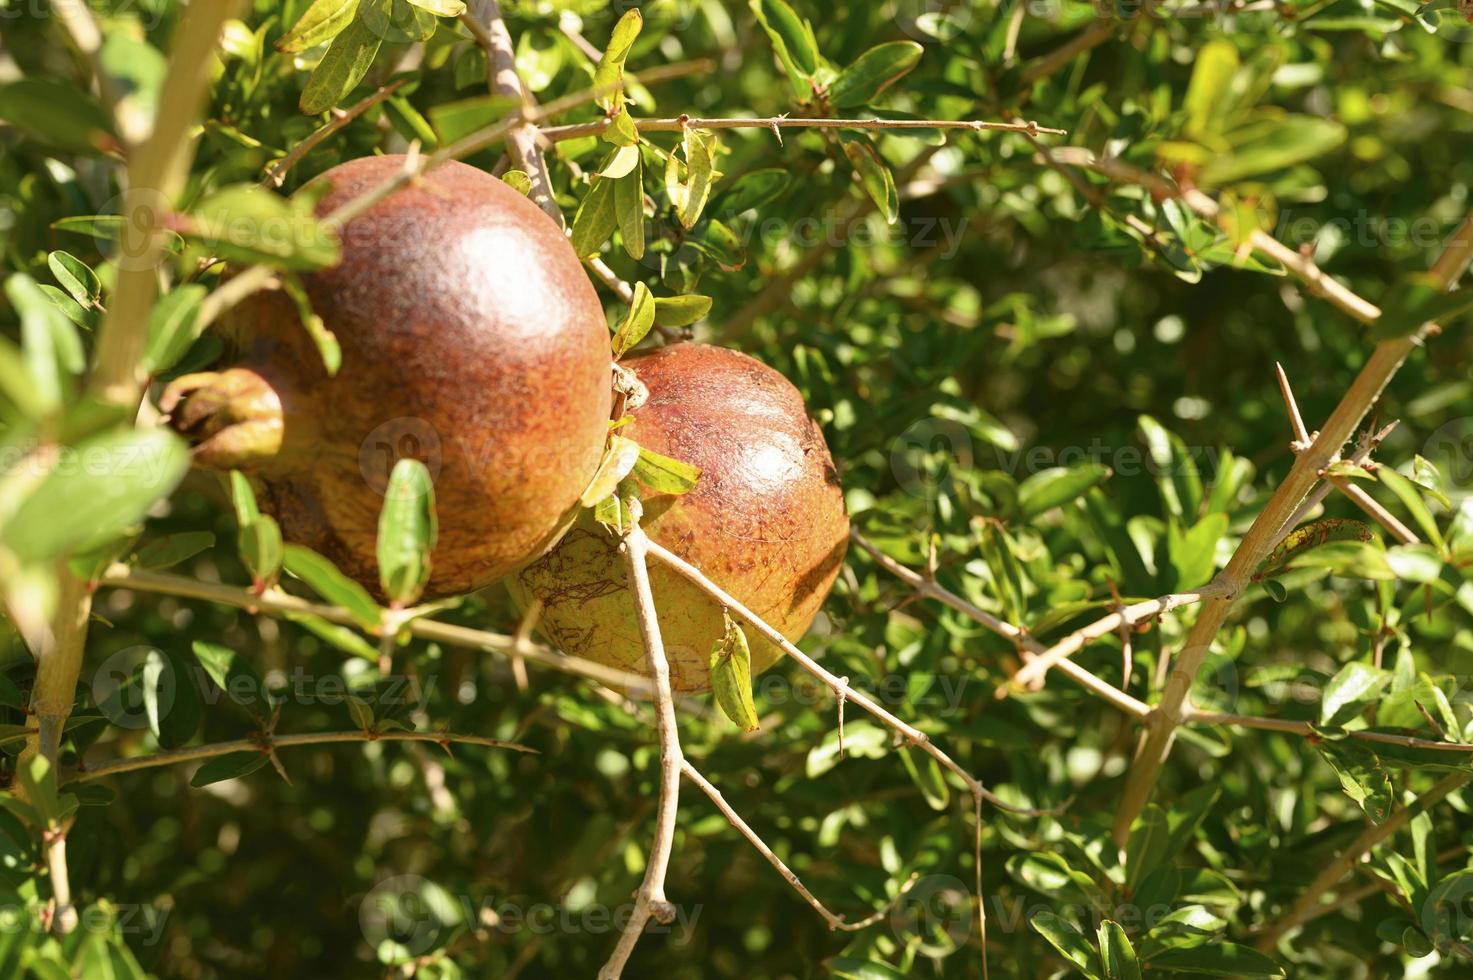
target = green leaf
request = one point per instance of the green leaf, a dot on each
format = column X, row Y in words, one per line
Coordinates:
column 874, row 176
column 110, row 483
column 1270, row 143
column 753, row 189
column 407, row 531
column 172, row 327
column 1117, row 955
column 441, row 8
column 689, row 198
column 342, row 67
column 596, row 219
column 925, row 772
column 80, row 282
column 323, row 339
column 608, row 77
column 1194, row 554
column 249, row 225
column 261, row 550
column 172, row 549
column 337, row 636
column 663, row 474
column 1058, row 486
column 1174, row 468
column 1146, row 848
column 1212, row 74
column 170, row 699
column 731, row 677
column 1353, row 687
column 82, row 316
column 681, row 311
column 872, row 72
column 848, row 968
column 321, row 22
column 1303, row 540
column 1418, row 299
column 519, row 181
column 362, row 712
column 57, row 114
column 232, row 766
column 454, row 121
column 1217, row 959
column 1361, row 775
column 50, row 348
column 1411, row 498
column 234, row 675
column 617, row 463
column 325, row 579
column 792, row 40
column 629, row 207
column 637, row 322
column 1068, row 940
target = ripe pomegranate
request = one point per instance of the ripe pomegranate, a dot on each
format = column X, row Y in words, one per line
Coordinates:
column 766, row 520
column 471, row 339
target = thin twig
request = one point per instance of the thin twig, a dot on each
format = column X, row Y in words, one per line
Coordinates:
column 1265, row 533
column 835, row 921
column 1303, row 728
column 270, row 742
column 1303, row 909
column 276, row 173
column 276, row 602
column 650, row 901
column 681, row 123
column 1296, row 421
column 928, row 587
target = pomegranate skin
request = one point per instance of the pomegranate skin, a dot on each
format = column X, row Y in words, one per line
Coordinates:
column 765, row 521
column 471, row 339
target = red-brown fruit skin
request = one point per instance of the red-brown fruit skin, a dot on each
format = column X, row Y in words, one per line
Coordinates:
column 472, row 340
column 766, row 520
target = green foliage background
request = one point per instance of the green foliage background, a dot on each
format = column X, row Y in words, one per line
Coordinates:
column 1003, row 325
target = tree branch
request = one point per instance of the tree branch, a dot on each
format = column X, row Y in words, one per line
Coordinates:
column 270, row 742
column 681, row 123
column 928, row 587
column 1265, row 533
column 1303, row 909
column 650, row 901
column 276, row 173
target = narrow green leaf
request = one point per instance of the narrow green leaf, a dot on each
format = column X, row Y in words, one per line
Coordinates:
column 112, row 481
column 75, row 277
column 699, row 149
column 596, row 219
column 731, row 677
column 261, row 550
column 172, row 327
column 1361, row 775
column 172, row 549
column 874, row 176
column 792, row 40
column 50, row 348
column 1270, row 143
column 1217, row 959
column 323, row 339
column 234, row 675
column 608, row 77
column 925, row 772
column 1117, row 955
column 1353, row 687
column 455, row 120
column 629, row 207
column 1045, row 490
column 1212, row 75
column 1068, row 940
column 342, row 67
column 407, row 531
column 617, row 463
column 681, row 311
column 249, row 224
column 663, row 474
column 232, row 766
column 325, row 579
column 1411, row 498
column 872, row 72
column 321, row 22
column 170, row 699
column 751, row 190
column 637, row 322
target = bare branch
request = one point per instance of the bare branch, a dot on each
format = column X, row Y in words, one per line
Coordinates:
column 650, row 901
column 681, row 123
column 1265, row 533
column 1290, row 727
column 1303, row 909
column 270, row 742
column 276, row 173
column 834, row 921
column 929, row 588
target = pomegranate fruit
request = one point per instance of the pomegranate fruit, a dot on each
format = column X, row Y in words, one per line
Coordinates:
column 765, row 521
column 471, row 339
